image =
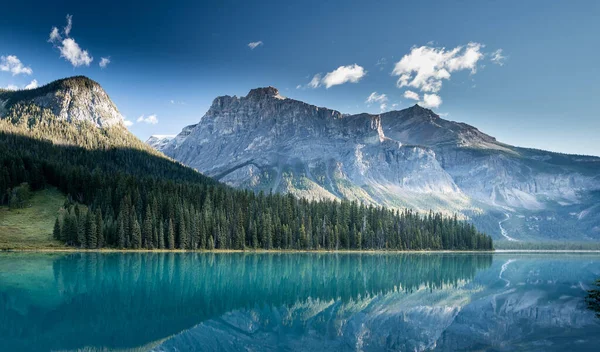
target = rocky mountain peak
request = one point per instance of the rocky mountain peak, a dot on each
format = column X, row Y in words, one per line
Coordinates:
column 158, row 142
column 72, row 99
column 419, row 111
column 408, row 158
column 265, row 92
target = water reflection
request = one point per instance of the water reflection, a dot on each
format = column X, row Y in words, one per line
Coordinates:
column 261, row 302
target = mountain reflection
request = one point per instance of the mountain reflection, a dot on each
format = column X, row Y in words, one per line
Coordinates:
column 135, row 300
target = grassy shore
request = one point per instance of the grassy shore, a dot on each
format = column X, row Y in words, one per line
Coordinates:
column 31, row 227
column 30, row 230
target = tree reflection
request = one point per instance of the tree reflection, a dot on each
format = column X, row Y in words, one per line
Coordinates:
column 123, row 300
column 593, row 298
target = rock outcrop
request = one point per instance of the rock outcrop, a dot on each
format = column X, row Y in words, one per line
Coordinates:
column 72, row 99
column 408, row 158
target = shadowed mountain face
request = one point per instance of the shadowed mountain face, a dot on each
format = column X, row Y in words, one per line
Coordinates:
column 409, row 158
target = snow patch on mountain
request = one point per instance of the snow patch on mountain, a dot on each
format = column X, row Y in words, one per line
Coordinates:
column 409, row 158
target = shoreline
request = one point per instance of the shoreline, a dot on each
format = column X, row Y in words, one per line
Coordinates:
column 289, row 251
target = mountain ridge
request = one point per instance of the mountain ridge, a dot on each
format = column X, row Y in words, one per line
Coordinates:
column 73, row 99
column 72, row 111
column 405, row 158
column 120, row 193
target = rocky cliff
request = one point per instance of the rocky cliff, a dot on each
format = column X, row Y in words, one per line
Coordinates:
column 409, row 158
column 74, row 111
column 72, row 99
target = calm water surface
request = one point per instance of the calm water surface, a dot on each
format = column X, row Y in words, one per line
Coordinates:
column 281, row 302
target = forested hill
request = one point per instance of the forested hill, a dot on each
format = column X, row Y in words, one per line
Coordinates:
column 123, row 195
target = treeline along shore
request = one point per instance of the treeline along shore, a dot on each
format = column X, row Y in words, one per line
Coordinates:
column 121, row 194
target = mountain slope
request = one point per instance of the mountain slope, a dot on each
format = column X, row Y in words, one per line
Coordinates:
column 271, row 143
column 71, row 111
column 123, row 194
column 409, row 158
column 72, row 99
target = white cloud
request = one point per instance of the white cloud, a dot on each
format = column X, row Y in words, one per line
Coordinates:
column 341, row 75
column 71, row 51
column 381, row 63
column 498, row 58
column 54, row 35
column 32, row 85
column 409, row 94
column 151, row 119
column 376, row 98
column 127, row 123
column 344, row 74
column 431, row 101
column 315, row 82
column 425, row 68
column 69, row 25
column 381, row 99
column 104, row 61
column 68, row 47
column 12, row 64
column 254, row 45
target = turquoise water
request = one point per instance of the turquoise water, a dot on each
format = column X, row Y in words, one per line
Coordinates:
column 295, row 302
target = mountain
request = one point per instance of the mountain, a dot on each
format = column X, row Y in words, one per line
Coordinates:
column 158, row 142
column 121, row 193
column 72, row 99
column 71, row 111
column 408, row 158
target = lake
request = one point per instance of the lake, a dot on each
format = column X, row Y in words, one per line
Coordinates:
column 297, row 301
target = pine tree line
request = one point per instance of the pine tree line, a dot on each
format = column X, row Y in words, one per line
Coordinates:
column 129, row 198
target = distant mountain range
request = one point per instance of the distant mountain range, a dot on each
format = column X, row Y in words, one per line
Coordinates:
column 408, row 158
column 121, row 193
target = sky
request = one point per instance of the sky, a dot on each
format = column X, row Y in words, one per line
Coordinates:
column 525, row 72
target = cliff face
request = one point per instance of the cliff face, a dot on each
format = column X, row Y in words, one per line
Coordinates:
column 72, row 99
column 268, row 142
column 72, row 111
column 409, row 158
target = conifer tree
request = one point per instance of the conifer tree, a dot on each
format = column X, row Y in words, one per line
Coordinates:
column 56, row 233
column 81, row 239
column 99, row 229
column 121, row 232
column 170, row 235
column 91, row 235
column 147, row 229
column 181, row 236
column 161, row 236
column 136, row 234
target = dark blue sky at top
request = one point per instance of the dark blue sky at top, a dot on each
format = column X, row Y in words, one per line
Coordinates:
column 173, row 58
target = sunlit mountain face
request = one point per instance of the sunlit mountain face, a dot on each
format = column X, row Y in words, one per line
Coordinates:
column 369, row 302
column 408, row 158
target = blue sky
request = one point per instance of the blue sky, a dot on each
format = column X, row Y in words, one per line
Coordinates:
column 171, row 59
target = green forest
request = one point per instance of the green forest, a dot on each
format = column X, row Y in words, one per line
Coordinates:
column 121, row 194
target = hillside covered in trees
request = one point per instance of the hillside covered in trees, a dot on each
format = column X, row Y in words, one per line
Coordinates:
column 121, row 194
